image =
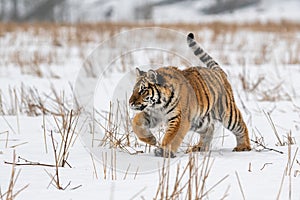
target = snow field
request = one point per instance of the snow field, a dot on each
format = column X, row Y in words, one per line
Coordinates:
column 262, row 66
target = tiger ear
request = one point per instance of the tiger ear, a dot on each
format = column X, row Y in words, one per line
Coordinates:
column 155, row 77
column 139, row 72
column 152, row 76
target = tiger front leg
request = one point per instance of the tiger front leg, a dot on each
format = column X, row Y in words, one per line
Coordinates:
column 174, row 135
column 141, row 125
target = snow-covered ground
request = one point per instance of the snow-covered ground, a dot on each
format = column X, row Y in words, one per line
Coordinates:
column 40, row 68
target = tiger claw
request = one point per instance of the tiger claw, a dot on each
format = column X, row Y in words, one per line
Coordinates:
column 160, row 152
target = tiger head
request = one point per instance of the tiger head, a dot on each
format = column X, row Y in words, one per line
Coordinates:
column 146, row 92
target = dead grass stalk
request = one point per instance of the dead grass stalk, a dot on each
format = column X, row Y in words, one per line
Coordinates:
column 11, row 193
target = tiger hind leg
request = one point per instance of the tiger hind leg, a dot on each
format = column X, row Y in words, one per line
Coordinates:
column 234, row 122
column 205, row 127
column 206, row 136
column 242, row 138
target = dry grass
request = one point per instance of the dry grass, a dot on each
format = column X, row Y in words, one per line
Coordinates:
column 67, row 129
column 116, row 126
column 33, row 102
column 249, row 85
column 297, row 172
column 191, row 183
column 109, row 167
column 259, row 144
column 282, row 26
column 56, row 40
column 291, row 160
column 11, row 192
column 286, row 140
column 268, row 116
column 263, row 89
column 240, row 185
column 276, row 93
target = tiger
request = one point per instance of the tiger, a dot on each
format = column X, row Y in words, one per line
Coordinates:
column 193, row 99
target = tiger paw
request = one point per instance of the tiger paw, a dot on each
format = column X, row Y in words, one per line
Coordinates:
column 160, row 152
column 149, row 140
column 242, row 147
column 196, row 148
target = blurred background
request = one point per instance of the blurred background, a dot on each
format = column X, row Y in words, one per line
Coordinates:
column 158, row 11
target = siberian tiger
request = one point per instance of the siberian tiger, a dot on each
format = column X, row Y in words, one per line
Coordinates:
column 190, row 99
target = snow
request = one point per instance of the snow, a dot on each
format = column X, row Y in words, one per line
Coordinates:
column 261, row 182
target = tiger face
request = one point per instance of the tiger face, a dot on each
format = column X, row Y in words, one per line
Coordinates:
column 146, row 90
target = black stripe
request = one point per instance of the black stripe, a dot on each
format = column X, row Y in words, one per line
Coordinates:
column 211, row 63
column 173, row 107
column 192, row 44
column 152, row 91
column 230, row 117
column 147, row 122
column 205, row 92
column 239, row 129
column 140, row 82
column 169, row 100
column 221, row 107
column 146, row 117
column 208, row 102
column 237, row 113
column 236, row 118
column 172, row 118
column 205, row 58
column 198, row 51
column 219, row 82
column 210, row 85
column 213, row 95
column 208, row 119
column 158, row 94
column 201, row 83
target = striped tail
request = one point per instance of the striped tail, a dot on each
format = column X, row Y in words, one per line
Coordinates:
column 200, row 53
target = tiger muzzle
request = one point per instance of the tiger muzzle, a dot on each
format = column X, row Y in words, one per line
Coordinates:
column 136, row 106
